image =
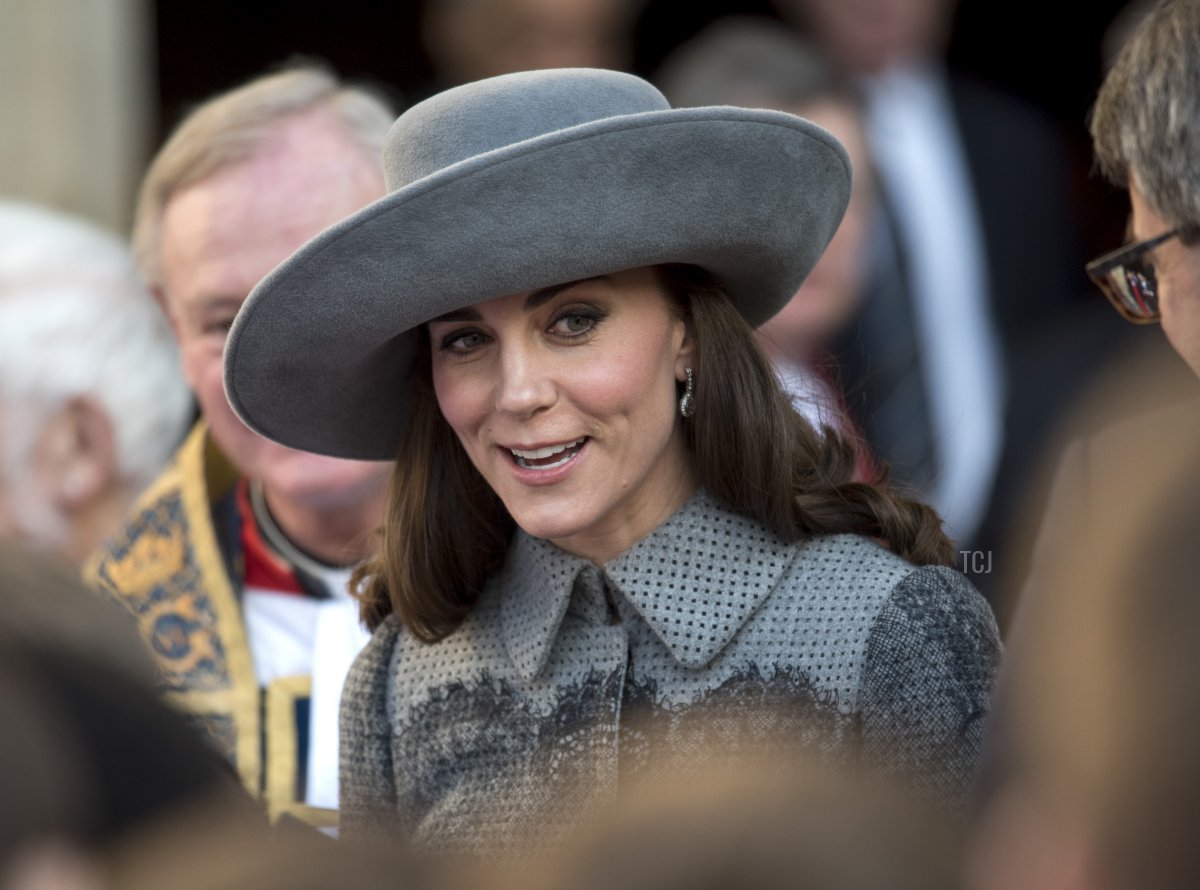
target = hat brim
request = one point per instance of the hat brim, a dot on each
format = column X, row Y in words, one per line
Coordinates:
column 318, row 355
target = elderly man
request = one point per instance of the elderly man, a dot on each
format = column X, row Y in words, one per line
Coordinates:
column 236, row 560
column 92, row 402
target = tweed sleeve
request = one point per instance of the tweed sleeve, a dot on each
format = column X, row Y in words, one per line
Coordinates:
column 932, row 658
column 367, row 792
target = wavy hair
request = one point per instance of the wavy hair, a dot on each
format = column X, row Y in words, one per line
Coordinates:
column 446, row 532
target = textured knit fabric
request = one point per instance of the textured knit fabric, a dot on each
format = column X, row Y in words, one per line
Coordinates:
column 566, row 680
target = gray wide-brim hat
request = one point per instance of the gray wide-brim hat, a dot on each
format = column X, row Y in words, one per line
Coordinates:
column 511, row 184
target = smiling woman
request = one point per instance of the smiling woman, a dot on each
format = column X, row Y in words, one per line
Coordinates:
column 559, row 398
column 610, row 543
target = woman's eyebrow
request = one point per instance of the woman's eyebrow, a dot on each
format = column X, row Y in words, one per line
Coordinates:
column 546, row 294
column 538, row 298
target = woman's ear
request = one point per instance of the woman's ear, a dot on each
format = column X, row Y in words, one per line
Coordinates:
column 685, row 352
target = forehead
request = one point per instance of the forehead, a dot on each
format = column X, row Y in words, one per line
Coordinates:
column 221, row 235
column 640, row 285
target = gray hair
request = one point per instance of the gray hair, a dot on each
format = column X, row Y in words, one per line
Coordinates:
column 1145, row 124
column 75, row 321
column 234, row 127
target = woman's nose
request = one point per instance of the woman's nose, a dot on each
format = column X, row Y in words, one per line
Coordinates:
column 525, row 384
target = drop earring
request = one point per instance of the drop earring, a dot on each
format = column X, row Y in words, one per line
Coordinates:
column 687, row 404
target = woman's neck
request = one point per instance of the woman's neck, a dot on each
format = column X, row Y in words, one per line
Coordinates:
column 606, row 542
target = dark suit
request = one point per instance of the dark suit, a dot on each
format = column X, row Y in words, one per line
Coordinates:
column 1051, row 331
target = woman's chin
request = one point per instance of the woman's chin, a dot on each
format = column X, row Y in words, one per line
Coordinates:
column 551, row 525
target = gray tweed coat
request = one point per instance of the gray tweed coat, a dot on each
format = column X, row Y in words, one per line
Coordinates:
column 566, row 680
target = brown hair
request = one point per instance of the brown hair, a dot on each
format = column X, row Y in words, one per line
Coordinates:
column 446, row 532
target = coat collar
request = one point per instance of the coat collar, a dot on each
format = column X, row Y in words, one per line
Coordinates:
column 705, row 562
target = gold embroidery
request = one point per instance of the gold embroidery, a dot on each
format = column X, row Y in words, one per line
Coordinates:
column 283, row 753
column 169, row 571
column 180, row 637
column 204, row 479
column 151, row 557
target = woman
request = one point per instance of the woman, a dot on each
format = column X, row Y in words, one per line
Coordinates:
column 603, row 505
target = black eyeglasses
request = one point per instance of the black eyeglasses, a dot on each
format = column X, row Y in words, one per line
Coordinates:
column 1126, row 276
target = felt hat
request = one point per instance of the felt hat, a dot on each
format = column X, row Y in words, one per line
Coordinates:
column 515, row 183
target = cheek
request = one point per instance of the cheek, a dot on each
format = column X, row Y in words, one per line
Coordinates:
column 625, row 383
column 201, row 365
column 461, row 398
column 1180, row 296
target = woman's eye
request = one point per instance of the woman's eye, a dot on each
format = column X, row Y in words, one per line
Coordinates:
column 574, row 324
column 219, row 326
column 464, row 341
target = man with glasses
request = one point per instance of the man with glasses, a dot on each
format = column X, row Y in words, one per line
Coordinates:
column 1127, row 277
column 1145, row 128
column 1146, row 132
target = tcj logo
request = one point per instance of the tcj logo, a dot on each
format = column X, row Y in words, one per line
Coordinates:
column 976, row 562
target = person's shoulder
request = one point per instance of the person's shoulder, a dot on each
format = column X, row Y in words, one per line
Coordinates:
column 936, row 609
column 1144, row 429
column 1118, row 448
column 166, row 537
column 847, row 553
column 148, row 534
column 848, row 568
column 376, row 657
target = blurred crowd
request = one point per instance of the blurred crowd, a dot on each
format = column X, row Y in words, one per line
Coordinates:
column 178, row 618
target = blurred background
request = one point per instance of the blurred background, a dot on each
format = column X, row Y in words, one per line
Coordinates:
column 89, row 88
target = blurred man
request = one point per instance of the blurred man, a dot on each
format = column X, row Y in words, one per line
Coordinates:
column 1113, row 549
column 92, row 402
column 1143, row 125
column 969, row 339
column 236, row 561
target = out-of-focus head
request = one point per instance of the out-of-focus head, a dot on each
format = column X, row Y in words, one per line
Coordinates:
column 243, row 181
column 870, row 36
column 755, row 826
column 473, row 39
column 205, row 851
column 1145, row 128
column 92, row 402
column 90, row 754
column 1102, row 714
column 759, row 64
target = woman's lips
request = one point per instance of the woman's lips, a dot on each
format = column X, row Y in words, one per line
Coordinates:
column 548, row 457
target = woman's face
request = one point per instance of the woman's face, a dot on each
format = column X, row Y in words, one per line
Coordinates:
column 565, row 400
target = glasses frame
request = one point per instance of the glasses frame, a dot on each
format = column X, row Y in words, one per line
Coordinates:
column 1129, row 259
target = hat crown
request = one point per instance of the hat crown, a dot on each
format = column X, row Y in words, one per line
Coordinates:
column 490, row 114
